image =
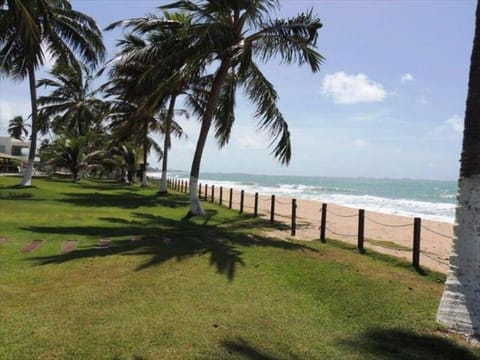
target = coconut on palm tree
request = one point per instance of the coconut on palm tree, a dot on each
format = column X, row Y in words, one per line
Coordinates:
column 230, row 36
column 27, row 27
column 17, row 128
column 460, row 304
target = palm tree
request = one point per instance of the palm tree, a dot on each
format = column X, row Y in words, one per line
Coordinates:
column 70, row 153
column 28, row 25
column 71, row 105
column 128, row 123
column 17, row 128
column 229, row 35
column 460, row 304
column 133, row 79
column 124, row 155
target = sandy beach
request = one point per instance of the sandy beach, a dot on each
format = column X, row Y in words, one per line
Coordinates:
column 385, row 233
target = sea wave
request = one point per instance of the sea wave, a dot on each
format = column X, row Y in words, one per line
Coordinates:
column 438, row 211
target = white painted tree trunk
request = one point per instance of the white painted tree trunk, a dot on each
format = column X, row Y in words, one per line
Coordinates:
column 163, row 182
column 460, row 304
column 27, row 174
column 144, row 179
column 195, row 205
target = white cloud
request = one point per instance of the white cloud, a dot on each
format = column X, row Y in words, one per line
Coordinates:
column 455, row 124
column 360, row 143
column 406, row 78
column 422, row 100
column 250, row 142
column 344, row 88
column 452, row 127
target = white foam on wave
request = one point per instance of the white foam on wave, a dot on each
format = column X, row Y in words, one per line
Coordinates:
column 440, row 211
column 444, row 212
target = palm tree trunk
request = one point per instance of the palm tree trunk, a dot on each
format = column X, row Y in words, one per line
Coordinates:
column 144, row 165
column 195, row 205
column 166, row 145
column 460, row 304
column 27, row 176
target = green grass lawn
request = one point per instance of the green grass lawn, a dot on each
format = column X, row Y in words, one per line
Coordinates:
column 206, row 288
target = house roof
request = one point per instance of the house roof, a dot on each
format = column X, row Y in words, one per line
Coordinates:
column 7, row 156
column 21, row 143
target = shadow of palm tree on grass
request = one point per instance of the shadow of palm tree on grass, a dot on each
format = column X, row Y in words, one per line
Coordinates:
column 124, row 200
column 402, row 344
column 240, row 347
column 163, row 239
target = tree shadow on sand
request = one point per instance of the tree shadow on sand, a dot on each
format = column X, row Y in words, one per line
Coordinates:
column 163, row 239
column 382, row 343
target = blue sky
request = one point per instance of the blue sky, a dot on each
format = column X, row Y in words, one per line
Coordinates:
column 388, row 102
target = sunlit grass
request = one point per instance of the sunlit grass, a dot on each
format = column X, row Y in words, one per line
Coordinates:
column 213, row 287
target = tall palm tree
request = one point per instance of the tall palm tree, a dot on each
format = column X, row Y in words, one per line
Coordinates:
column 71, row 104
column 229, row 35
column 460, row 304
column 28, row 25
column 17, row 128
column 153, row 82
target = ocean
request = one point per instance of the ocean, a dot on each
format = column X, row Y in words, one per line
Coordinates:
column 428, row 199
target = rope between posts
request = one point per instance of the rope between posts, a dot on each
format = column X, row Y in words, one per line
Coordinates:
column 335, row 233
column 281, row 215
column 388, row 225
column 345, row 216
column 282, row 203
column 376, row 243
column 436, row 259
column 436, row 232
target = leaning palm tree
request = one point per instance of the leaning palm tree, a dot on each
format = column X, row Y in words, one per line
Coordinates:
column 460, row 304
column 17, row 128
column 230, row 36
column 29, row 26
column 152, row 82
column 71, row 105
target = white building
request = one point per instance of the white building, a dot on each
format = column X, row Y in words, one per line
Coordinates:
column 13, row 154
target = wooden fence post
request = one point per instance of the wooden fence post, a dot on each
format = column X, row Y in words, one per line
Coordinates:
column 199, row 190
column 417, row 224
column 230, row 199
column 206, row 192
column 213, row 193
column 361, row 230
column 272, row 209
column 323, row 225
column 220, row 201
column 242, row 193
column 294, row 217
column 255, row 206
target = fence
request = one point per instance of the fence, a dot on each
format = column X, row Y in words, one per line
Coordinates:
column 267, row 207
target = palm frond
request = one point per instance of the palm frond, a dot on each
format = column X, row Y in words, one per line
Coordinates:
column 262, row 93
